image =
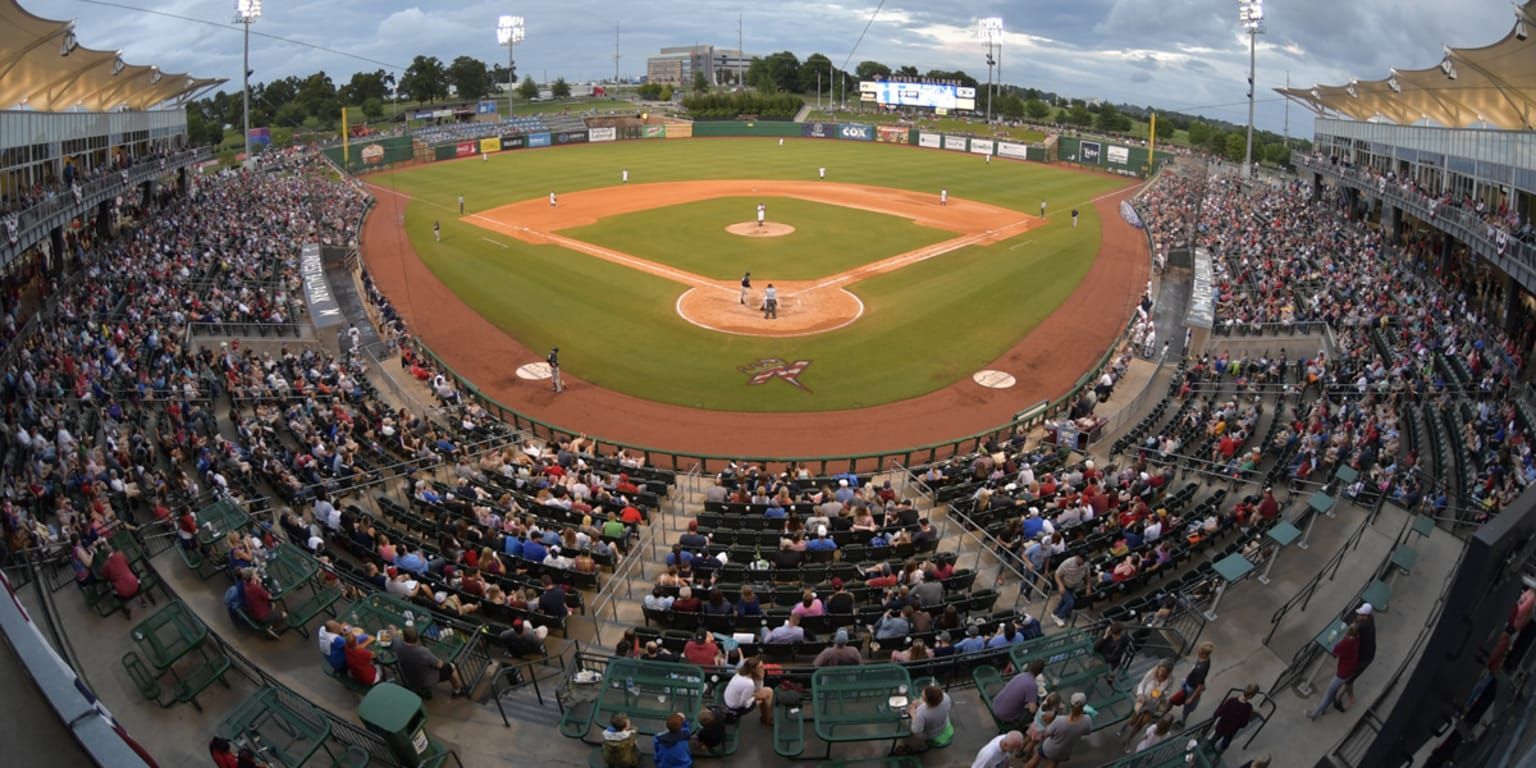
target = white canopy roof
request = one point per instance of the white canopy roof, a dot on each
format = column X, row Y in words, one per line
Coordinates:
column 42, row 67
column 1494, row 86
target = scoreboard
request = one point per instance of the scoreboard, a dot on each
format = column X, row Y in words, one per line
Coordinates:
column 945, row 96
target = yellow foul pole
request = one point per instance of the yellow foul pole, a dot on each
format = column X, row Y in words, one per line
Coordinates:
column 1151, row 142
column 346, row 140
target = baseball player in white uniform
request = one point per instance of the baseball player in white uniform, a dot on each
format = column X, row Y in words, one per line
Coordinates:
column 943, row 197
column 762, row 214
column 551, row 199
column 624, row 175
column 821, row 173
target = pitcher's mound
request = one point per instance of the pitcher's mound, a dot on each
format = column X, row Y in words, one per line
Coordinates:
column 768, row 229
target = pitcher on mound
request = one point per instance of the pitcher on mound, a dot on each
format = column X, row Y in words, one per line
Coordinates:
column 762, row 215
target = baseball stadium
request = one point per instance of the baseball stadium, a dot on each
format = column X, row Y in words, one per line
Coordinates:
column 849, row 410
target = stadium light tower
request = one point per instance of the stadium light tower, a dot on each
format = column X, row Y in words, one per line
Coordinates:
column 990, row 29
column 509, row 32
column 1251, row 14
column 246, row 13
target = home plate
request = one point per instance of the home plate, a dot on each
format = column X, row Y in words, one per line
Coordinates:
column 538, row 371
column 989, row 378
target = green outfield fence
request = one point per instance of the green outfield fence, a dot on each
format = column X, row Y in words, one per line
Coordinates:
column 365, row 154
column 1025, row 420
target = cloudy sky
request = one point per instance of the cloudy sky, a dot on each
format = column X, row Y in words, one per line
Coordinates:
column 1175, row 54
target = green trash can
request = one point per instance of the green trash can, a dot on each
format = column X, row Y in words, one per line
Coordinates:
column 396, row 715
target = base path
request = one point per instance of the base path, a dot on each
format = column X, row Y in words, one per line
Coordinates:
column 1046, row 362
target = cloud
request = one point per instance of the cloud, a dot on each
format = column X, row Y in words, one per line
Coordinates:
column 1175, row 54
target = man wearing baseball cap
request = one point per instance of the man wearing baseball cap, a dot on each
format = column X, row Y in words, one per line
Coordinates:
column 1365, row 621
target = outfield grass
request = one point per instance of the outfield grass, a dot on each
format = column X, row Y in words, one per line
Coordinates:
column 827, row 239
column 924, row 326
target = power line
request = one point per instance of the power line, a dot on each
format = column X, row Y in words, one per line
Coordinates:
column 219, row 25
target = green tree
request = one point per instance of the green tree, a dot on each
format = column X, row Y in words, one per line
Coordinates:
column 1237, row 142
column 289, row 114
column 367, row 85
column 700, row 82
column 425, row 80
column 1199, row 133
column 1078, row 115
column 373, row 108
column 1165, row 128
column 1277, row 153
column 1010, row 106
column 470, row 78
column 784, row 69
column 1037, row 109
column 907, row 70
column 561, row 89
column 501, row 77
column 667, row 91
column 872, row 70
column 958, row 76
column 529, row 89
column 816, row 70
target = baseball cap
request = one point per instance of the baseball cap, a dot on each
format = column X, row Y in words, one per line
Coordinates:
column 1079, row 699
column 972, row 631
column 1365, row 609
column 837, row 582
column 841, row 638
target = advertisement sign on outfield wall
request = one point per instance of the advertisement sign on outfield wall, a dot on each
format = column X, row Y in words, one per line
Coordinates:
column 892, row 134
column 514, row 142
column 571, row 137
column 603, row 134
column 538, row 139
column 1015, row 151
column 654, row 132
column 493, row 144
column 1118, row 155
column 956, row 143
column 856, row 132
column 465, row 149
column 930, row 140
column 982, row 146
column 818, row 130
column 485, row 108
column 1088, row 152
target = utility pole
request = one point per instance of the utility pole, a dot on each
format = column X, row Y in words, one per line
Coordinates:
column 1251, row 14
column 741, row 54
column 615, row 54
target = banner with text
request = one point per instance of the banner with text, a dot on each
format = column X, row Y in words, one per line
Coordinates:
column 493, row 144
column 1015, row 151
column 517, row 141
column 465, row 149
column 1088, row 152
column 654, row 132
column 1118, row 155
column 603, row 134
column 1202, row 304
column 818, row 130
column 892, row 134
column 930, row 140
column 571, row 137
column 982, row 146
column 956, row 143
column 538, row 139
column 323, row 310
column 856, row 132
column 485, row 108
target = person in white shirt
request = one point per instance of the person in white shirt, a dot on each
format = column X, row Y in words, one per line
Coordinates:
column 327, row 514
column 746, row 691
column 551, row 199
column 943, row 197
column 1153, row 531
column 999, row 751
column 624, row 175
column 821, row 173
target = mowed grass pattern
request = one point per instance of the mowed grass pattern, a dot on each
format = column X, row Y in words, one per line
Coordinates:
column 827, row 239
column 924, row 326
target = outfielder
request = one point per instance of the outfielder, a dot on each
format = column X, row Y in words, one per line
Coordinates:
column 554, row 370
column 1074, row 218
column 1042, row 208
column 822, row 173
column 746, row 288
column 762, row 214
column 781, row 142
column 461, row 205
column 770, row 303
column 624, row 175
column 943, row 197
column 551, row 199
column 437, row 231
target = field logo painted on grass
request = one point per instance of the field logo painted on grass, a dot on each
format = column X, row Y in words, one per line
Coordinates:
column 770, row 368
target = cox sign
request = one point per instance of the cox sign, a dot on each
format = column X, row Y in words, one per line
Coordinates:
column 856, row 132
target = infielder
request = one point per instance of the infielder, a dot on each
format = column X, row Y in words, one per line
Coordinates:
column 746, row 288
column 554, row 370
column 437, row 231
column 624, row 175
column 822, row 173
column 781, row 142
column 461, row 205
column 551, row 199
column 1042, row 208
column 1074, row 218
column 770, row 303
column 943, row 197
column 762, row 215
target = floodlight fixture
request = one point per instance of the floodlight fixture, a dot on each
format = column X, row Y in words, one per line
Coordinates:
column 1448, row 67
column 248, row 9
column 1521, row 33
column 990, row 28
column 509, row 30
column 1393, row 83
column 69, row 42
column 1251, row 14
column 1350, row 89
column 118, row 65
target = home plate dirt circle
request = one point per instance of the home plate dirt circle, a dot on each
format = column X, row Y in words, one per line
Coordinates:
column 768, row 229
column 994, row 379
column 804, row 309
column 539, row 371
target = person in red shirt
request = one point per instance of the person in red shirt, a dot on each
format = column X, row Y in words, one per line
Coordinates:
column 1269, row 509
column 626, row 486
column 125, row 583
column 223, row 753
column 258, row 603
column 360, row 666
column 1347, row 653
column 630, row 515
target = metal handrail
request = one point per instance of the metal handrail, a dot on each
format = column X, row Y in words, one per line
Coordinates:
column 1329, row 569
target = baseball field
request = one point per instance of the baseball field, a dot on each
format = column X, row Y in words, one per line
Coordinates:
column 884, row 294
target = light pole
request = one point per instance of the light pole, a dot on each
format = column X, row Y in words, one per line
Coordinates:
column 246, row 13
column 990, row 29
column 509, row 32
column 1251, row 14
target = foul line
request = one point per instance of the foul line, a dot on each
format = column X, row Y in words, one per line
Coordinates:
column 493, row 242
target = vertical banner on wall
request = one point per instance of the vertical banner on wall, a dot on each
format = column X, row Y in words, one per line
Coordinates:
column 1202, row 304
column 1088, row 152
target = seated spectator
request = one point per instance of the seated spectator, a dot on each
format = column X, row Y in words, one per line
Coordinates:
column 809, row 605
column 710, row 740
column 360, row 664
column 839, row 653
column 258, row 603
column 702, row 650
column 788, row 632
column 746, row 691
column 420, row 669
column 673, row 747
column 686, row 602
column 748, row 604
column 524, row 639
